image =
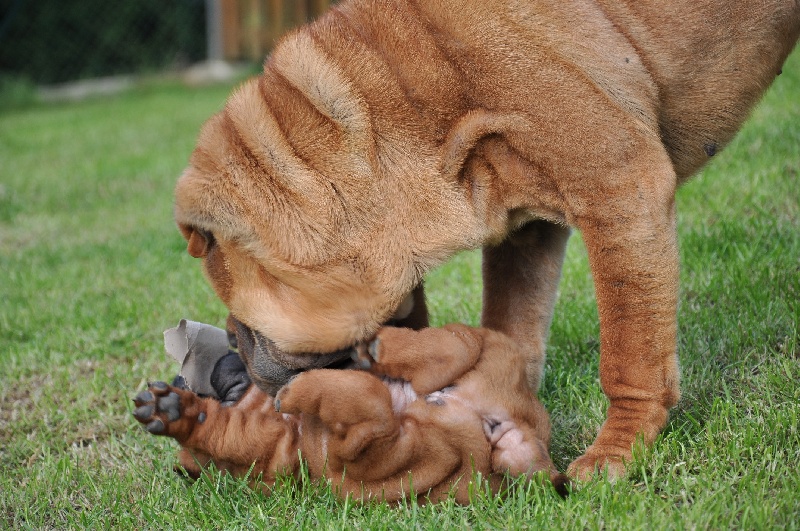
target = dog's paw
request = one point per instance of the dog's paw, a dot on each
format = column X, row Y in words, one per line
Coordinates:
column 162, row 409
column 595, row 465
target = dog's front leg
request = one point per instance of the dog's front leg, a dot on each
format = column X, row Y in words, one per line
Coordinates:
column 631, row 240
column 520, row 281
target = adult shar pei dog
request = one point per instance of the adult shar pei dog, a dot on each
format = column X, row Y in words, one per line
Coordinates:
column 389, row 135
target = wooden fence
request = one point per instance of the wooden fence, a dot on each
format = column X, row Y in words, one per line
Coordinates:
column 247, row 29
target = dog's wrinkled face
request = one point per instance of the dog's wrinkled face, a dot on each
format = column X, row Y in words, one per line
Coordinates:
column 280, row 204
column 300, row 309
column 310, row 237
column 315, row 217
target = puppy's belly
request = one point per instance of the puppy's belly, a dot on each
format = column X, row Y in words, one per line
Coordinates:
column 402, row 393
column 497, row 424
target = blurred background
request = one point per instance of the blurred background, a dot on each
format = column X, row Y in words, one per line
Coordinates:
column 47, row 43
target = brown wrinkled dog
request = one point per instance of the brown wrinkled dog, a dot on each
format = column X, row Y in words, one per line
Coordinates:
column 437, row 406
column 387, row 136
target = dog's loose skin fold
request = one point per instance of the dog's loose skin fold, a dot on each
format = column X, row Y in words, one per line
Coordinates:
column 387, row 136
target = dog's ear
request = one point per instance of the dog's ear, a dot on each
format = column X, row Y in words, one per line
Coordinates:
column 469, row 130
column 198, row 241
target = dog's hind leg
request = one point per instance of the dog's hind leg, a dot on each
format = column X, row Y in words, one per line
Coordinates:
column 520, row 283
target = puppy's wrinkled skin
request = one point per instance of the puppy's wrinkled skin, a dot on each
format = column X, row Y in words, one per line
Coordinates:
column 437, row 406
column 387, row 136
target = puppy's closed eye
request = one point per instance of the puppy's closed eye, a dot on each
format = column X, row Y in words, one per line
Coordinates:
column 199, row 240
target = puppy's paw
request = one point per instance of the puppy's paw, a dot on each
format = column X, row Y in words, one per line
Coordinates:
column 180, row 382
column 292, row 399
column 366, row 355
column 428, row 359
column 167, row 410
column 337, row 398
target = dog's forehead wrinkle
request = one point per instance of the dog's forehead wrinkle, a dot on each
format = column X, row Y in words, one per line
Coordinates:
column 284, row 175
column 301, row 61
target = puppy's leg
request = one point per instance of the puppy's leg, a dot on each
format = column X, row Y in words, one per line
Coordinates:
column 633, row 255
column 352, row 436
column 518, row 450
column 520, row 282
column 429, row 359
column 236, row 437
column 355, row 407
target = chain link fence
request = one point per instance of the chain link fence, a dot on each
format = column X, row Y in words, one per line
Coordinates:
column 52, row 42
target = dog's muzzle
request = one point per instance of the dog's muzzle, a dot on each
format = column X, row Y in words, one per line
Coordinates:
column 270, row 368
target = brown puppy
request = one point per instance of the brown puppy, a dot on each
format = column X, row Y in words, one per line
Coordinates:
column 437, row 406
column 387, row 136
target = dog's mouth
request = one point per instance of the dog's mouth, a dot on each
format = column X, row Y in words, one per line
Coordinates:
column 271, row 368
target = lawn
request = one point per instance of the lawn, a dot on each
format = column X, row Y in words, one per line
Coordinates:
column 92, row 270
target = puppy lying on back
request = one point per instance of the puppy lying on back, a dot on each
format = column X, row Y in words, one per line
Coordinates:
column 430, row 409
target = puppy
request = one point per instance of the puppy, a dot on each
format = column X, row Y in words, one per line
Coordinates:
column 431, row 409
column 387, row 136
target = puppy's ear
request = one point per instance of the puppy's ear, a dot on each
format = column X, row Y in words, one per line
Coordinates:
column 198, row 241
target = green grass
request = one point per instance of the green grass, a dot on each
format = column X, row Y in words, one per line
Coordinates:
column 92, row 270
